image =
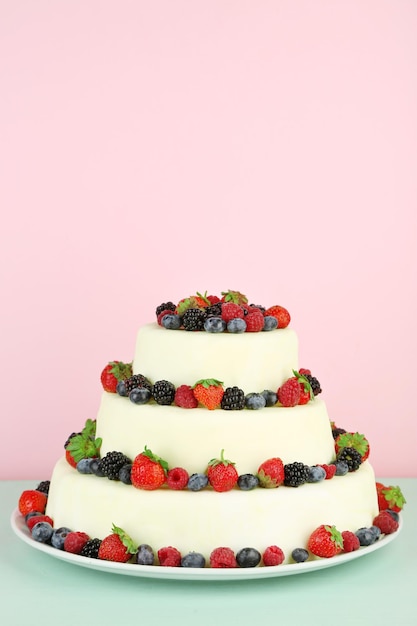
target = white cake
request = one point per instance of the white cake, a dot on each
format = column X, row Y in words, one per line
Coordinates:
column 190, row 438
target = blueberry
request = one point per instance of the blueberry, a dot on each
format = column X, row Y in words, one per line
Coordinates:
column 125, row 474
column 95, row 467
column 171, row 321
column 193, row 559
column 214, row 325
column 246, row 482
column 255, row 401
column 270, row 322
column 236, row 325
column 145, row 555
column 58, row 537
column 248, row 557
column 121, row 388
column 366, row 536
column 342, row 468
column 196, row 482
column 42, row 532
column 393, row 514
column 375, row 531
column 299, row 555
column 84, row 466
column 316, row 474
column 140, row 395
column 271, row 397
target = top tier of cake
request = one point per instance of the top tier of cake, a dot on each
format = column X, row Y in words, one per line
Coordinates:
column 251, row 361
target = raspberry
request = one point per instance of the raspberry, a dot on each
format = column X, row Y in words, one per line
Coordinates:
column 38, row 518
column 350, row 541
column 177, row 478
column 231, row 311
column 273, row 556
column 289, row 393
column 386, row 523
column 329, row 469
column 222, row 558
column 254, row 322
column 185, row 398
column 75, row 542
column 169, row 557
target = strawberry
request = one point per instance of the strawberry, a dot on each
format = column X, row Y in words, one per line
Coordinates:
column 234, row 296
column 118, row 546
column 390, row 497
column 271, row 473
column 282, row 315
column 83, row 445
column 306, row 392
column 148, row 471
column 30, row 523
column 113, row 372
column 222, row 474
column 254, row 322
column 353, row 440
column 289, row 393
column 193, row 302
column 32, row 500
column 231, row 311
column 209, row 392
column 325, row 541
column 185, row 398
column 385, row 522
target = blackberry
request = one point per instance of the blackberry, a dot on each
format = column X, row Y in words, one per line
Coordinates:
column 314, row 384
column 165, row 306
column 111, row 464
column 258, row 306
column 91, row 548
column 233, row 399
column 44, row 486
column 337, row 431
column 137, row 380
column 214, row 310
column 163, row 392
column 296, row 474
column 351, row 457
column 193, row 319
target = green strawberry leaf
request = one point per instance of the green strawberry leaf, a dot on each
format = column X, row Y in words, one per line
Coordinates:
column 126, row 540
column 221, row 461
column 304, row 381
column 335, row 536
column 208, row 382
column 156, row 459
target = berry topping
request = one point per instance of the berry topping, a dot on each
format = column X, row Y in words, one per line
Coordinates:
column 255, row 401
column 113, row 373
column 32, row 500
column 169, row 557
column 117, row 547
column 273, row 555
column 330, row 470
column 34, row 519
column 351, row 457
column 353, row 440
column 247, row 482
column 234, row 296
column 271, row 473
column 197, row 482
column 83, row 445
column 299, row 555
column 233, row 399
column 91, row 548
column 171, row 321
column 222, row 474
column 193, row 559
column 111, row 464
column 254, row 322
column 222, row 558
column 214, row 325
column 350, row 541
column 163, row 392
column 193, row 319
column 316, row 474
column 386, row 523
column 270, row 323
column 44, row 486
column 236, row 326
column 148, row 471
column 289, row 393
column 325, row 541
column 137, row 381
column 145, row 555
column 42, row 532
column 248, row 557
column 271, row 397
column 165, row 306
column 282, row 316
column 185, row 398
column 389, row 497
column 209, row 392
column 75, row 542
column 296, row 474
column 177, row 478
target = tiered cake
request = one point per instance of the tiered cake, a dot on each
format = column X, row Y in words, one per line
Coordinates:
column 182, row 349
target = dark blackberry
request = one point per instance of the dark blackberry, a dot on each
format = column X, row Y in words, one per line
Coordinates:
column 91, row 548
column 135, row 381
column 295, row 474
column 111, row 464
column 163, row 392
column 314, row 384
column 215, row 310
column 233, row 399
column 44, row 486
column 351, row 457
column 193, row 319
column 165, row 306
column 337, row 431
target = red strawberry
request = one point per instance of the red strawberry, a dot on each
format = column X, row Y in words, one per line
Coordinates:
column 213, row 299
column 169, row 557
column 75, row 541
column 271, row 473
column 350, row 541
column 193, row 302
column 148, row 471
column 30, row 523
column 222, row 558
column 117, row 547
column 325, row 541
column 32, row 500
column 353, row 440
column 231, row 311
column 113, row 372
column 177, row 478
column 386, row 523
column 306, row 392
column 390, row 497
column 282, row 315
column 254, row 322
column 185, row 398
column 209, row 392
column 234, row 296
column 81, row 446
column 273, row 556
column 222, row 474
column 289, row 393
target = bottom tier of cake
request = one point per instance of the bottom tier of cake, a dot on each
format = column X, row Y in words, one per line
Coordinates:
column 204, row 520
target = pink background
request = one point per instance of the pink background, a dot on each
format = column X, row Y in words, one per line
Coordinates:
column 152, row 149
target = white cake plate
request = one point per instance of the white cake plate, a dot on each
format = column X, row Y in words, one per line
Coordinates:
column 186, row 573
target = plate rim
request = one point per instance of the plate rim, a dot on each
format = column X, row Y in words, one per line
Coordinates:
column 189, row 574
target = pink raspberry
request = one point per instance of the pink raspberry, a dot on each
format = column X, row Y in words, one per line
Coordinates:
column 177, row 478
column 254, row 322
column 289, row 392
column 350, row 541
column 273, row 556
column 231, row 311
column 329, row 469
column 34, row 519
column 386, row 523
column 185, row 398
column 75, row 542
column 169, row 557
column 223, row 557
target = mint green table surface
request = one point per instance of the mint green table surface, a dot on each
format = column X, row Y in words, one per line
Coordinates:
column 377, row 589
